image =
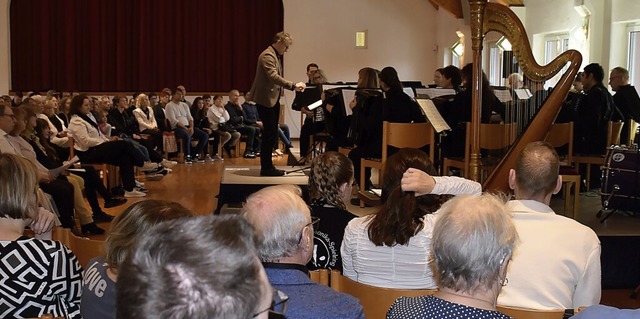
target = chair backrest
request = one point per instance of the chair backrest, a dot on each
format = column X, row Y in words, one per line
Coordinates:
column 632, row 129
column 559, row 135
column 522, row 313
column 492, row 137
column 320, row 276
column 412, row 135
column 375, row 300
column 613, row 133
column 85, row 249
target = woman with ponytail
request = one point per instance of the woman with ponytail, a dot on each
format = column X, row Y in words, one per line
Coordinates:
column 390, row 248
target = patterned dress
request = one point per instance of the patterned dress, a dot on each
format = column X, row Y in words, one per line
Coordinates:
column 38, row 277
column 436, row 308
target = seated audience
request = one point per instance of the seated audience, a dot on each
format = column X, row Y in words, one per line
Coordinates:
column 390, row 248
column 330, row 181
column 236, row 120
column 38, row 276
column 92, row 146
column 565, row 277
column 283, row 222
column 146, row 120
column 46, row 156
column 219, row 118
column 200, row 120
column 251, row 117
column 101, row 275
column 181, row 121
column 472, row 244
column 176, row 271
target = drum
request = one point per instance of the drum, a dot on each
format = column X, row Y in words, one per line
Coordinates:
column 622, row 169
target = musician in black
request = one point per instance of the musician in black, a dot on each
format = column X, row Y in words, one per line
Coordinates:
column 626, row 98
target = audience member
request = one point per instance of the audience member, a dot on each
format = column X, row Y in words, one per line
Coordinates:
column 251, row 117
column 472, row 244
column 390, row 248
column 146, row 120
column 219, row 118
column 283, row 222
column 181, row 121
column 565, row 277
column 602, row 311
column 200, row 120
column 330, row 181
column 101, row 274
column 38, row 276
column 265, row 91
column 236, row 120
column 176, row 271
column 158, row 101
column 92, row 146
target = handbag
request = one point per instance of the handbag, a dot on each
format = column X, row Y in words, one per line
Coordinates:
column 225, row 127
column 169, row 143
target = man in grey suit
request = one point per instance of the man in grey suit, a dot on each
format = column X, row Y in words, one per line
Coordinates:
column 265, row 92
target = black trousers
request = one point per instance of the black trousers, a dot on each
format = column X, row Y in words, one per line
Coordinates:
column 93, row 186
column 118, row 153
column 269, row 117
column 62, row 192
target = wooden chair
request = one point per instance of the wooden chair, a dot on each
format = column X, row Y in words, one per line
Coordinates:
column 102, row 168
column 400, row 135
column 613, row 138
column 492, row 137
column 375, row 301
column 559, row 135
column 85, row 249
column 522, row 313
column 320, row 276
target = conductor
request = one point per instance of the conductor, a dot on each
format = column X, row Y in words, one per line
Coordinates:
column 266, row 91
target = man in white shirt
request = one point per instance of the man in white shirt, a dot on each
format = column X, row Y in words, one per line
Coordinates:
column 556, row 264
column 179, row 116
column 7, row 123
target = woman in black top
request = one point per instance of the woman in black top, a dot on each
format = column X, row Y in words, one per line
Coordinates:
column 330, row 183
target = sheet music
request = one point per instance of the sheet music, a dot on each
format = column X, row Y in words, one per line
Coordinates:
column 409, row 91
column 435, row 92
column 503, row 95
column 314, row 105
column 434, row 117
column 335, row 86
column 347, row 97
column 523, row 94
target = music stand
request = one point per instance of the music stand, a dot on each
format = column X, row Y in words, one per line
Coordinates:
column 311, row 98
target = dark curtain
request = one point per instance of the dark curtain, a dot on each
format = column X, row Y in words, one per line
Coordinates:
column 139, row 45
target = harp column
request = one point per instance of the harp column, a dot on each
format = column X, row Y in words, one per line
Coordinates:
column 477, row 35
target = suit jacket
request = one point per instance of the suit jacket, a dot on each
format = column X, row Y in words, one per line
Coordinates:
column 265, row 90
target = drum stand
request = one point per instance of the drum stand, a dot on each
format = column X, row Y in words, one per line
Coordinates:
column 605, row 208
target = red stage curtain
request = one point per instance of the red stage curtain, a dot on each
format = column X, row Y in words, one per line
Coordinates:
column 139, row 45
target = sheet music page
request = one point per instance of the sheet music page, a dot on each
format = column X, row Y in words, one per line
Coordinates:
column 333, row 86
column 347, row 97
column 523, row 94
column 503, row 95
column 434, row 117
column 435, row 92
column 409, row 92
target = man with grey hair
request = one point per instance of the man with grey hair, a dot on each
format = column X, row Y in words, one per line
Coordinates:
column 472, row 243
column 283, row 222
column 556, row 265
column 175, row 271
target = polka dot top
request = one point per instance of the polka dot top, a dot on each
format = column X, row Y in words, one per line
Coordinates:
column 436, row 308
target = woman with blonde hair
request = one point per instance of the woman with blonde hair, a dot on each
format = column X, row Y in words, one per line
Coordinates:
column 101, row 274
column 38, row 276
column 330, row 183
column 146, row 120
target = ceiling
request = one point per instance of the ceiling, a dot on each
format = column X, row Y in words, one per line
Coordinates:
column 455, row 6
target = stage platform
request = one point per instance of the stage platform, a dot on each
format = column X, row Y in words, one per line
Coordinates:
column 239, row 181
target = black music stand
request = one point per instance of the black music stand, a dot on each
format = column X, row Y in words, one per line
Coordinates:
column 310, row 98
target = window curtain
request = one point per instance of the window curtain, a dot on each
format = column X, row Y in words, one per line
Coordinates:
column 139, row 45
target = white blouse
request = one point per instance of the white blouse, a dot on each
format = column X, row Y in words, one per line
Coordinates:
column 401, row 266
column 217, row 115
column 144, row 122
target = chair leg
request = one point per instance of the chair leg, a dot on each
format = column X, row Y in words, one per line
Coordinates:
column 362, row 184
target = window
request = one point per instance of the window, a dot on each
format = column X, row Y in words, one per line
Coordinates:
column 554, row 45
column 457, row 51
column 634, row 56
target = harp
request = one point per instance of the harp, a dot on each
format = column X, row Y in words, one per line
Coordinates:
column 487, row 17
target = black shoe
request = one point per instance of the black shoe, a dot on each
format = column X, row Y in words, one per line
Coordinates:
column 271, row 172
column 113, row 202
column 75, row 231
column 102, row 217
column 91, row 229
column 257, row 153
column 249, row 155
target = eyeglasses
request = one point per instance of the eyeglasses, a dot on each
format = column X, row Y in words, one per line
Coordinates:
column 278, row 306
column 314, row 222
